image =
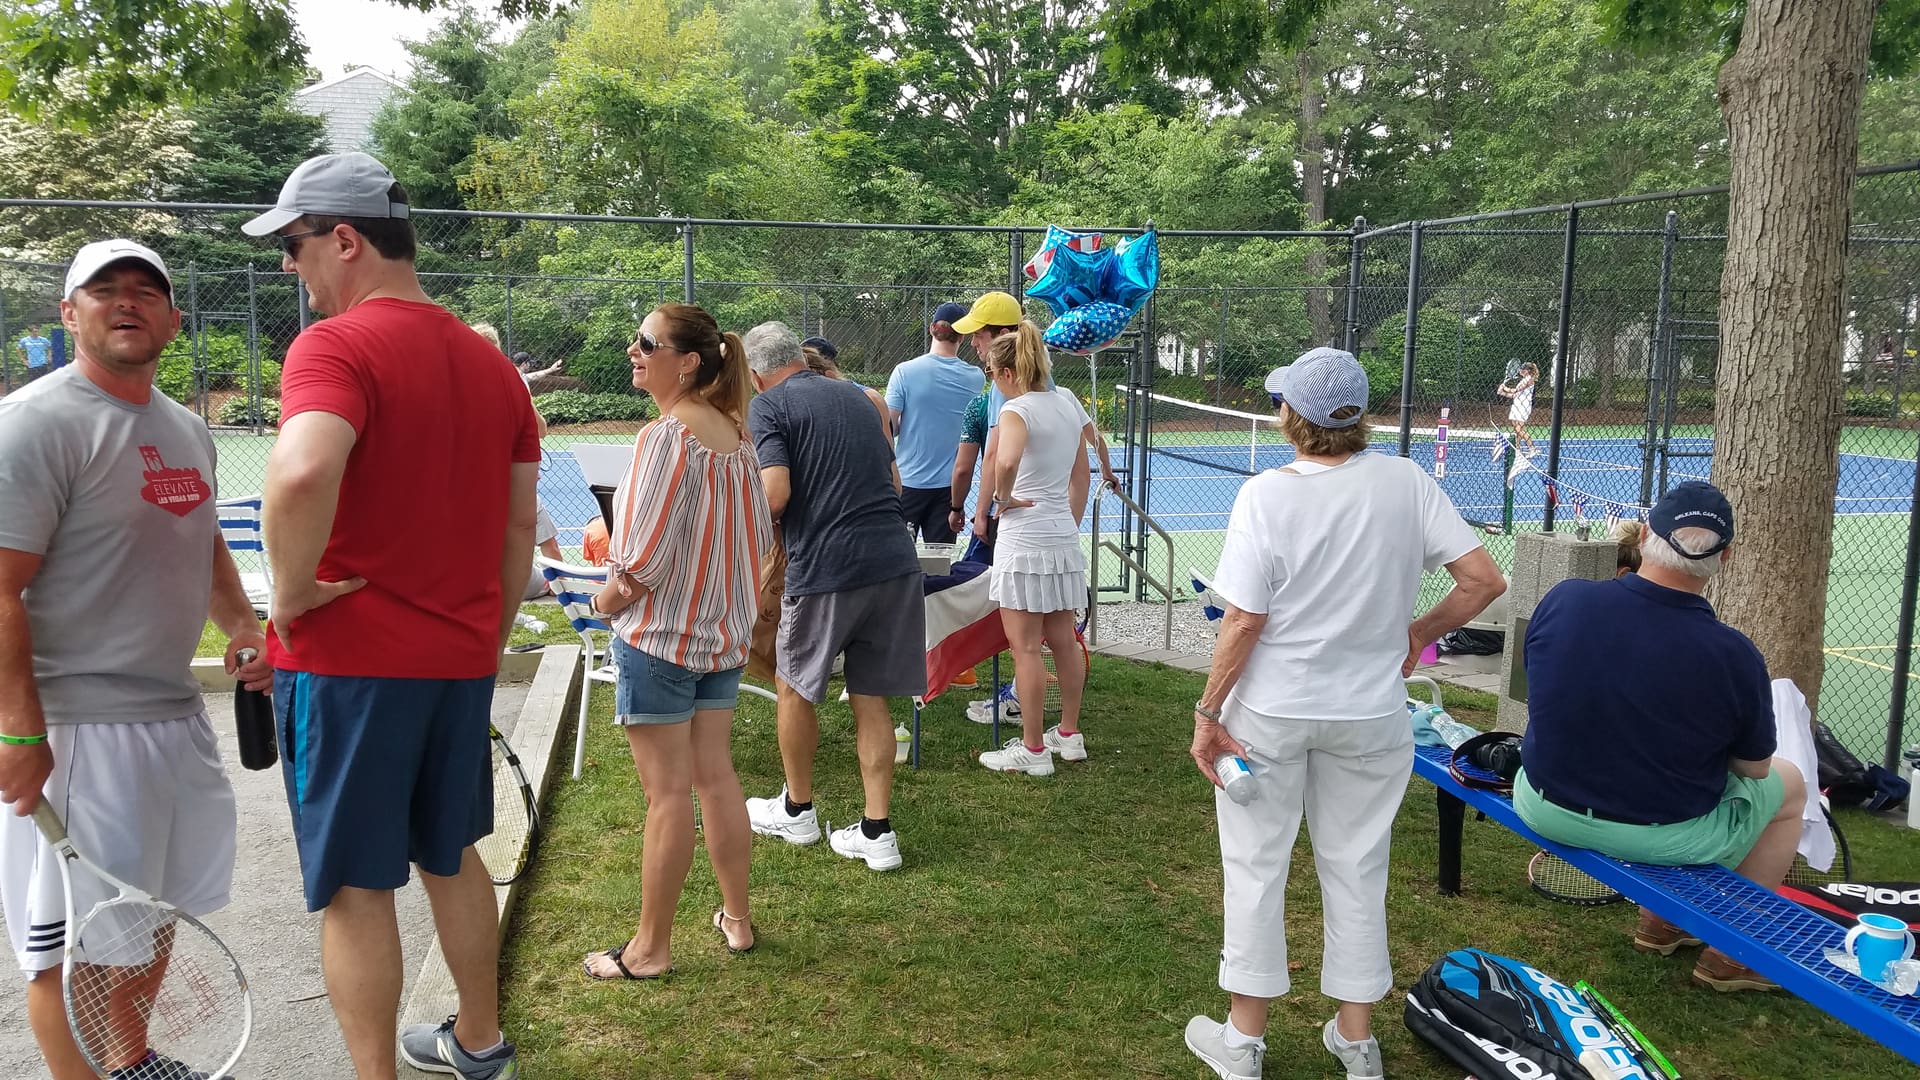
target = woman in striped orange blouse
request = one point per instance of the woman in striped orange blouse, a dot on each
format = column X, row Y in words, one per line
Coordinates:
column 690, row 526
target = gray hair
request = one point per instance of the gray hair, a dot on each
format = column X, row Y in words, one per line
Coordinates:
column 1660, row 552
column 772, row 346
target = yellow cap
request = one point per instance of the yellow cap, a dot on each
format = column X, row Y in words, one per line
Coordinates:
column 992, row 309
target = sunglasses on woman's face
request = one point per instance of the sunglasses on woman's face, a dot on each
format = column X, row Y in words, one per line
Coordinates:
column 650, row 344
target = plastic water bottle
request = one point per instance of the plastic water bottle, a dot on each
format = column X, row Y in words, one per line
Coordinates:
column 1449, row 729
column 253, row 722
column 1236, row 778
column 902, row 744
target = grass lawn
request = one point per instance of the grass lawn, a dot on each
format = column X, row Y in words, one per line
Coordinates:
column 1064, row 927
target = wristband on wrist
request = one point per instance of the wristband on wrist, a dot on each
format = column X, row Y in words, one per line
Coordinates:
column 23, row 740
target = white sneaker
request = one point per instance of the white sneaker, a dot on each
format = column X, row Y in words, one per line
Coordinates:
column 1362, row 1058
column 879, row 853
column 981, row 712
column 1015, row 757
column 1070, row 747
column 769, row 817
column 1208, row 1041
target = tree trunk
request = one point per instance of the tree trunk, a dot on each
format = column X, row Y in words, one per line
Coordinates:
column 1791, row 97
column 1313, row 185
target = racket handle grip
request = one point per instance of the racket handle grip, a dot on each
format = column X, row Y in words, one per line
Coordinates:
column 49, row 821
column 1596, row 1065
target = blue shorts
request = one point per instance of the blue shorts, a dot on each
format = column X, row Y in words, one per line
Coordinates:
column 381, row 773
column 656, row 691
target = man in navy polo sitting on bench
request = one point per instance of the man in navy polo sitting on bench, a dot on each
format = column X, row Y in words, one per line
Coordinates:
column 1650, row 731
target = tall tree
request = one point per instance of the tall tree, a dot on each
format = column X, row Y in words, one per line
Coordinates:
column 243, row 145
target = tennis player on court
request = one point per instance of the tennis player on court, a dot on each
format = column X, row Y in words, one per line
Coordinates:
column 111, row 560
column 1320, row 569
column 1039, row 483
column 1522, row 409
column 396, row 415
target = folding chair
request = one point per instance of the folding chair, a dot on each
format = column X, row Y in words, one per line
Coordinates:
column 574, row 587
column 240, row 528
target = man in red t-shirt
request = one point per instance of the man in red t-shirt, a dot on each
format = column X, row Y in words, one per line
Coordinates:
column 396, row 417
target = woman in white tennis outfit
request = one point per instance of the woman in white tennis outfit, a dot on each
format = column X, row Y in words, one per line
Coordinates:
column 1522, row 408
column 1039, row 476
column 1320, row 570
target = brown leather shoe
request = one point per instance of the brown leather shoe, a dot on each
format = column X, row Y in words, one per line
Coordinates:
column 1657, row 935
column 1723, row 973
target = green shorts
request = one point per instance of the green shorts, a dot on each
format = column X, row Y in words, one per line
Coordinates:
column 1723, row 835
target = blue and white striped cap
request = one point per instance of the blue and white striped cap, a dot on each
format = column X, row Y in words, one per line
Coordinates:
column 1322, row 382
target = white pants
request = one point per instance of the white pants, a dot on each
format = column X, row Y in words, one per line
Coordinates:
column 1347, row 777
column 149, row 803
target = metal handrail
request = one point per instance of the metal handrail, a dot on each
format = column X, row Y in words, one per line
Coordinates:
column 1165, row 589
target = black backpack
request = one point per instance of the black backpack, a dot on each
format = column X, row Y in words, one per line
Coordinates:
column 1500, row 1019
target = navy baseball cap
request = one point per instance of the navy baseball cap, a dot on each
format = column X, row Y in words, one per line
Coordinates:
column 1695, row 504
column 1322, row 382
column 949, row 313
column 822, row 346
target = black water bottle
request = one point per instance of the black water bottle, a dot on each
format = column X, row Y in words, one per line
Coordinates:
column 253, row 719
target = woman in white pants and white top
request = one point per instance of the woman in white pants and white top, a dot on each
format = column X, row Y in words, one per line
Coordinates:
column 1320, row 570
column 1039, row 476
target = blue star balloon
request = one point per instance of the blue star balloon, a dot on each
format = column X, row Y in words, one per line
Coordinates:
column 1073, row 278
column 1133, row 272
column 1088, row 328
column 1036, row 267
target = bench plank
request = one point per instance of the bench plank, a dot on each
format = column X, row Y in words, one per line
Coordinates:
column 1763, row 930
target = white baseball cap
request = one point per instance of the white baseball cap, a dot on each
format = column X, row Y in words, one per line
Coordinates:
column 97, row 256
column 331, row 185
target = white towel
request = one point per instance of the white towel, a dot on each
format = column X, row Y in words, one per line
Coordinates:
column 1795, row 743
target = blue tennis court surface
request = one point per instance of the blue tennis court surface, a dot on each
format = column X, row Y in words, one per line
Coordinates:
column 1192, row 483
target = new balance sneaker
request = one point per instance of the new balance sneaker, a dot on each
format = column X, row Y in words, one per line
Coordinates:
column 433, row 1048
column 879, row 853
column 155, row 1067
column 1070, row 747
column 1362, row 1059
column 769, row 817
column 1208, row 1041
column 1015, row 757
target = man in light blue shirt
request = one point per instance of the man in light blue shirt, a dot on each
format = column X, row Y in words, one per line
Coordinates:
column 927, row 398
column 37, row 350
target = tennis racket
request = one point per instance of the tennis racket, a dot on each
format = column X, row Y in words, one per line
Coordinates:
column 508, row 849
column 1053, row 676
column 1560, row 881
column 1800, row 873
column 139, row 975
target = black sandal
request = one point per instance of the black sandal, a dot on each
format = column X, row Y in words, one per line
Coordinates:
column 720, row 919
column 613, row 954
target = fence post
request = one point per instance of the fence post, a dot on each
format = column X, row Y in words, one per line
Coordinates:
column 686, row 246
column 6, row 354
column 197, row 352
column 253, row 350
column 1903, row 641
column 507, row 333
column 1220, row 354
column 302, row 311
column 1562, row 350
column 1417, row 231
column 1354, row 265
column 1016, row 248
column 1657, row 354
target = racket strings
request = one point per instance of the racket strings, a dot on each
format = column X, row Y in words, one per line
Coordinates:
column 1557, row 879
column 504, row 849
column 143, row 979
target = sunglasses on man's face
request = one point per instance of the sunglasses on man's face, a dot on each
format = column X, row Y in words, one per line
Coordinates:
column 650, row 344
column 290, row 242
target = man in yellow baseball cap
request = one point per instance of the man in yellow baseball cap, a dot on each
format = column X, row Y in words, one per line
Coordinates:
column 994, row 310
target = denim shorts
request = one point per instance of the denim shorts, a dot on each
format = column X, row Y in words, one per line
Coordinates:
column 656, row 691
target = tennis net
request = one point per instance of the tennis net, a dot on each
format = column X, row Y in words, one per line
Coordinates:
column 1240, row 443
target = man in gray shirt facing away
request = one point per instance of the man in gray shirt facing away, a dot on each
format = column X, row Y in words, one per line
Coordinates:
column 853, row 586
column 111, row 560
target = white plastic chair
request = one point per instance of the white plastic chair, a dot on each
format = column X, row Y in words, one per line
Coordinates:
column 574, row 587
column 240, row 528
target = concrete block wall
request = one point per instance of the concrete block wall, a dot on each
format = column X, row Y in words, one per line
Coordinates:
column 1541, row 561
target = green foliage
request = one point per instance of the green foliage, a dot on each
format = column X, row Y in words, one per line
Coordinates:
column 244, row 143
column 175, row 376
column 1878, row 405
column 245, row 412
column 224, row 364
column 575, row 407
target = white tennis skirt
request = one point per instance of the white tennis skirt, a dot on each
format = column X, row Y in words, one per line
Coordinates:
column 1041, row 580
column 1518, row 413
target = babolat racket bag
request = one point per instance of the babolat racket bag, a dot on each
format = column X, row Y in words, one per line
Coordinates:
column 1500, row 1019
column 1845, row 901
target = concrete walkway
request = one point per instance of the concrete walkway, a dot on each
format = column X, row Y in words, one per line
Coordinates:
column 270, row 930
column 1471, row 672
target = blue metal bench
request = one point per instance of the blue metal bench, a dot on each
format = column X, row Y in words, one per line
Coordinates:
column 1770, row 934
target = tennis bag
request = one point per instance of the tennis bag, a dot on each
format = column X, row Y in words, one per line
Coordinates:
column 1845, row 901
column 1499, row 1018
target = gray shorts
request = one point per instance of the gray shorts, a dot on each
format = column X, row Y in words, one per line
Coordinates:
column 882, row 628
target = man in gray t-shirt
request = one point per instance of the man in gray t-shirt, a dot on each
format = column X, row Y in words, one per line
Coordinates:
column 111, row 561
column 853, row 585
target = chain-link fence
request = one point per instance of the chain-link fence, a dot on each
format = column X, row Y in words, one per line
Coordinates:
column 1599, row 321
